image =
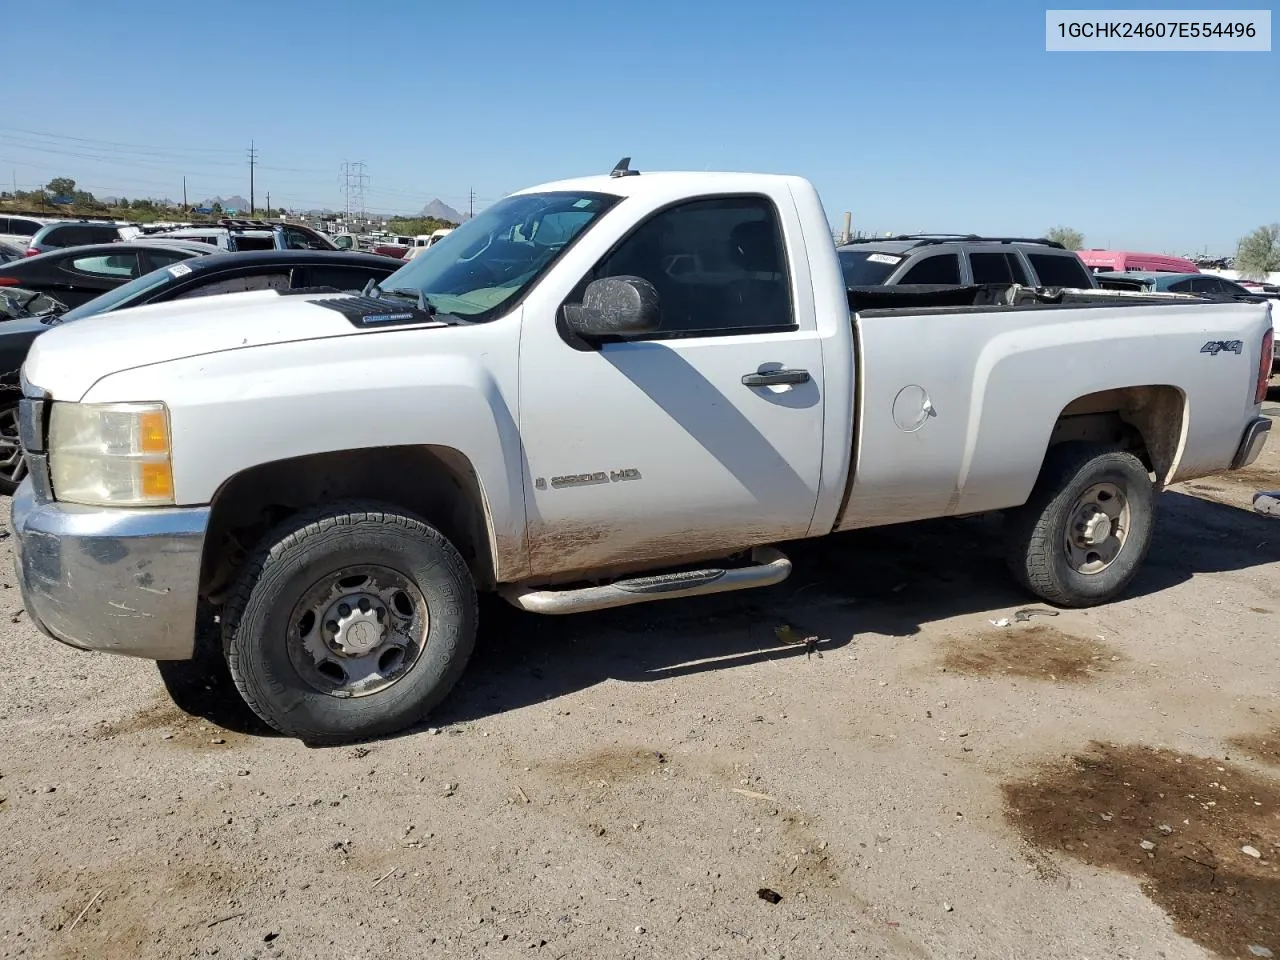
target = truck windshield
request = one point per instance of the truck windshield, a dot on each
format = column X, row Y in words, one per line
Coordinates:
column 867, row 268
column 493, row 258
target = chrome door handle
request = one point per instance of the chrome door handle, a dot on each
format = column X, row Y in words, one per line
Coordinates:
column 775, row 378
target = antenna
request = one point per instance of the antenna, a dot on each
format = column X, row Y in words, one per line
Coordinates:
column 623, row 169
column 253, row 160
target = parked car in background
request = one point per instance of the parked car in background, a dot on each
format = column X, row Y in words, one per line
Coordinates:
column 11, row 251
column 428, row 240
column 78, row 274
column 73, row 233
column 234, row 235
column 199, row 276
column 959, row 259
column 19, row 230
column 240, row 273
column 1154, row 281
column 1122, row 261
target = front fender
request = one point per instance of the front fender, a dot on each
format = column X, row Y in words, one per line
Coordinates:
column 453, row 387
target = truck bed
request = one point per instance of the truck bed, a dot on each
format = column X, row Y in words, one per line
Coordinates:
column 955, row 417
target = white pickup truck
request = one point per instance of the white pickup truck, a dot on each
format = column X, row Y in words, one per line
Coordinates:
column 598, row 392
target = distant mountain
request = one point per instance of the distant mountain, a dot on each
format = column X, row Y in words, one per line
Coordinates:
column 442, row 211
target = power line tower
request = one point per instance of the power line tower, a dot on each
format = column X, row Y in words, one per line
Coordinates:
column 253, row 160
column 354, row 181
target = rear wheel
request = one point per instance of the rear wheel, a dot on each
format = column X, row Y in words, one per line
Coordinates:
column 1084, row 532
column 349, row 623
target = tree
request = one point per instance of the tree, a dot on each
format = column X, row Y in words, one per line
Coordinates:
column 1071, row 239
column 61, row 186
column 217, row 208
column 1258, row 253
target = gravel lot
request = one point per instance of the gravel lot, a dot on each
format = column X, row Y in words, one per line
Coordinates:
column 924, row 784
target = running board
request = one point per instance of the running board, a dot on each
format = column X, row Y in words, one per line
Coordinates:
column 769, row 566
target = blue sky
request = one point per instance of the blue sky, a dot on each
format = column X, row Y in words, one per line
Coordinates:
column 930, row 115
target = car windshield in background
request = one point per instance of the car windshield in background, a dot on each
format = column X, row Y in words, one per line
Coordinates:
column 867, row 268
column 121, row 296
column 493, row 258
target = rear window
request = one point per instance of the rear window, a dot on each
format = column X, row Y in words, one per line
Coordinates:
column 940, row 268
column 246, row 242
column 866, row 268
column 277, row 280
column 1059, row 271
column 344, row 278
column 19, row 227
column 1003, row 267
column 79, row 234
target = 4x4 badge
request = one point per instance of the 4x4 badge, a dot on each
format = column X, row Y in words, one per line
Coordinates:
column 1215, row 347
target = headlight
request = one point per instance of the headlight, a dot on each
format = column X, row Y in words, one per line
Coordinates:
column 111, row 454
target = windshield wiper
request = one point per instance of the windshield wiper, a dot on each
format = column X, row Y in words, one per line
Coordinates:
column 417, row 296
column 371, row 289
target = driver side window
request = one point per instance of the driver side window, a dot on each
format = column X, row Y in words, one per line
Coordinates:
column 718, row 265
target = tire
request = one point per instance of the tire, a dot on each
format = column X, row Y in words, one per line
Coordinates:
column 1038, row 553
column 13, row 466
column 290, row 665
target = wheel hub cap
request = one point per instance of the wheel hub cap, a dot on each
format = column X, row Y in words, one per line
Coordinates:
column 358, row 622
column 358, row 630
column 1097, row 529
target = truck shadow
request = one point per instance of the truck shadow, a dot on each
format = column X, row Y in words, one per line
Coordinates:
column 889, row 581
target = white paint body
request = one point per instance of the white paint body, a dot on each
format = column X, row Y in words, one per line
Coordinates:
column 254, row 378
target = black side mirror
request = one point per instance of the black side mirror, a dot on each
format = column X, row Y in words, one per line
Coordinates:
column 615, row 306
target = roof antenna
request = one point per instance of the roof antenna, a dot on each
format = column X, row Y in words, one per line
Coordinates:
column 623, row 169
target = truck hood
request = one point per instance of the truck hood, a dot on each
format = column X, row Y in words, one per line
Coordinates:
column 70, row 358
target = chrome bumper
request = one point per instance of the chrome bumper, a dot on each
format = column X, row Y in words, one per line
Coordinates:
column 116, row 580
column 1251, row 444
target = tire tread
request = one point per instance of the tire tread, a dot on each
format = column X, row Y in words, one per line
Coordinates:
column 320, row 522
column 1032, row 541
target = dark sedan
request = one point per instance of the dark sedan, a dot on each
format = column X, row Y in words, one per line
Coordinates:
column 240, row 272
column 198, row 276
column 78, row 274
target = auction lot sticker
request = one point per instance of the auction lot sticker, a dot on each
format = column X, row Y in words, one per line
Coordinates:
column 1134, row 31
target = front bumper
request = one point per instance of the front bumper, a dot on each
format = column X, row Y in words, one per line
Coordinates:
column 117, row 580
column 1251, row 444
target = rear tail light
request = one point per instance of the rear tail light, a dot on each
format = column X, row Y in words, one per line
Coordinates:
column 1264, row 365
column 32, row 251
column 8, row 282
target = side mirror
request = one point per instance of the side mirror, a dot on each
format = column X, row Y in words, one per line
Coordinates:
column 615, row 306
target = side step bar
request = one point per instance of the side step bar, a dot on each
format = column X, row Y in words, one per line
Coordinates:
column 769, row 566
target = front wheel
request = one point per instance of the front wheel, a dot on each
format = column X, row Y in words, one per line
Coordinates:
column 13, row 465
column 1081, row 537
column 349, row 623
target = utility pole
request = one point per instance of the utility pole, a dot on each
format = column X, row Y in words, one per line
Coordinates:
column 253, row 159
column 472, row 210
column 184, row 194
column 268, row 203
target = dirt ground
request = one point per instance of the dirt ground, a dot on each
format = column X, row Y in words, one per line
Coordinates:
column 648, row 782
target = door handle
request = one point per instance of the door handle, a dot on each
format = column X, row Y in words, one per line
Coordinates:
column 775, row 378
